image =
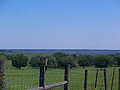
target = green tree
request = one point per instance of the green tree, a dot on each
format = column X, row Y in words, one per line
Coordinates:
column 34, row 62
column 59, row 54
column 3, row 57
column 19, row 61
column 52, row 62
column 83, row 61
column 117, row 59
column 9, row 57
column 102, row 61
column 37, row 61
column 91, row 59
column 67, row 60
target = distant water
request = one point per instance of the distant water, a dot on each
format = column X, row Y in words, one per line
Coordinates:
column 67, row 51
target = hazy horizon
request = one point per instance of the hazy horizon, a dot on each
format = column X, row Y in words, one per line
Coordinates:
column 57, row 48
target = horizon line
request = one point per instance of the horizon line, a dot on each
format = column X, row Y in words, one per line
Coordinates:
column 66, row 48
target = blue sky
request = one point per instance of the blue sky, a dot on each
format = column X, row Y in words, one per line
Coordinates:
column 84, row 24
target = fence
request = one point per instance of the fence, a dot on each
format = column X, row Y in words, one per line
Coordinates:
column 42, row 80
column 2, row 75
column 76, row 78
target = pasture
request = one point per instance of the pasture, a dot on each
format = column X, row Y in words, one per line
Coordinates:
column 27, row 78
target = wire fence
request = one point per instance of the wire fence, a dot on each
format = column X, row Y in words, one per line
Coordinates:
column 22, row 79
column 25, row 79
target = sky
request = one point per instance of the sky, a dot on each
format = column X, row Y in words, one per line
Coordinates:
column 46, row 24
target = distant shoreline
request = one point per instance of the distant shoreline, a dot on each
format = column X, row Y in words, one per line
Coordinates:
column 66, row 51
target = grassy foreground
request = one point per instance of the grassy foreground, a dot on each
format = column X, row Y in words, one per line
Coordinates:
column 27, row 78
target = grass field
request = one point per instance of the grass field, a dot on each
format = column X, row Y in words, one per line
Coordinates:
column 27, row 78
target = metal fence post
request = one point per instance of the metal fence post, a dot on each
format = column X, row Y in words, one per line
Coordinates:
column 85, row 82
column 67, row 77
column 42, row 76
column 105, row 79
column 2, row 75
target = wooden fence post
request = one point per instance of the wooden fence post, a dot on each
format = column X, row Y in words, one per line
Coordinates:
column 67, row 77
column 96, row 79
column 42, row 76
column 85, row 82
column 113, row 78
column 2, row 75
column 105, row 79
column 119, row 79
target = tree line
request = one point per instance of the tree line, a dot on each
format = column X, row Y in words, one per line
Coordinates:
column 60, row 60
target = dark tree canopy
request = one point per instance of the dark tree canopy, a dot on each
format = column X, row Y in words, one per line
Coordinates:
column 3, row 57
column 117, row 59
column 19, row 61
column 102, row 61
column 59, row 59
column 34, row 62
column 67, row 60
column 83, row 61
column 52, row 62
column 37, row 61
column 59, row 54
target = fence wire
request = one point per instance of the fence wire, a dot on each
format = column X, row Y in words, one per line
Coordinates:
column 22, row 79
column 25, row 79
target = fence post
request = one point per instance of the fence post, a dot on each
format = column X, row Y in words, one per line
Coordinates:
column 105, row 79
column 2, row 75
column 67, row 77
column 42, row 76
column 85, row 82
column 113, row 78
column 96, row 79
column 119, row 79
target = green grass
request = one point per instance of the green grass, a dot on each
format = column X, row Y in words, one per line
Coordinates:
column 27, row 78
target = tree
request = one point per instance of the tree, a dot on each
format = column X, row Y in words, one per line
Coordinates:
column 90, row 58
column 19, row 61
column 9, row 57
column 37, row 61
column 102, row 61
column 3, row 57
column 59, row 54
column 83, row 61
column 113, row 62
column 117, row 59
column 34, row 62
column 67, row 60
column 52, row 62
